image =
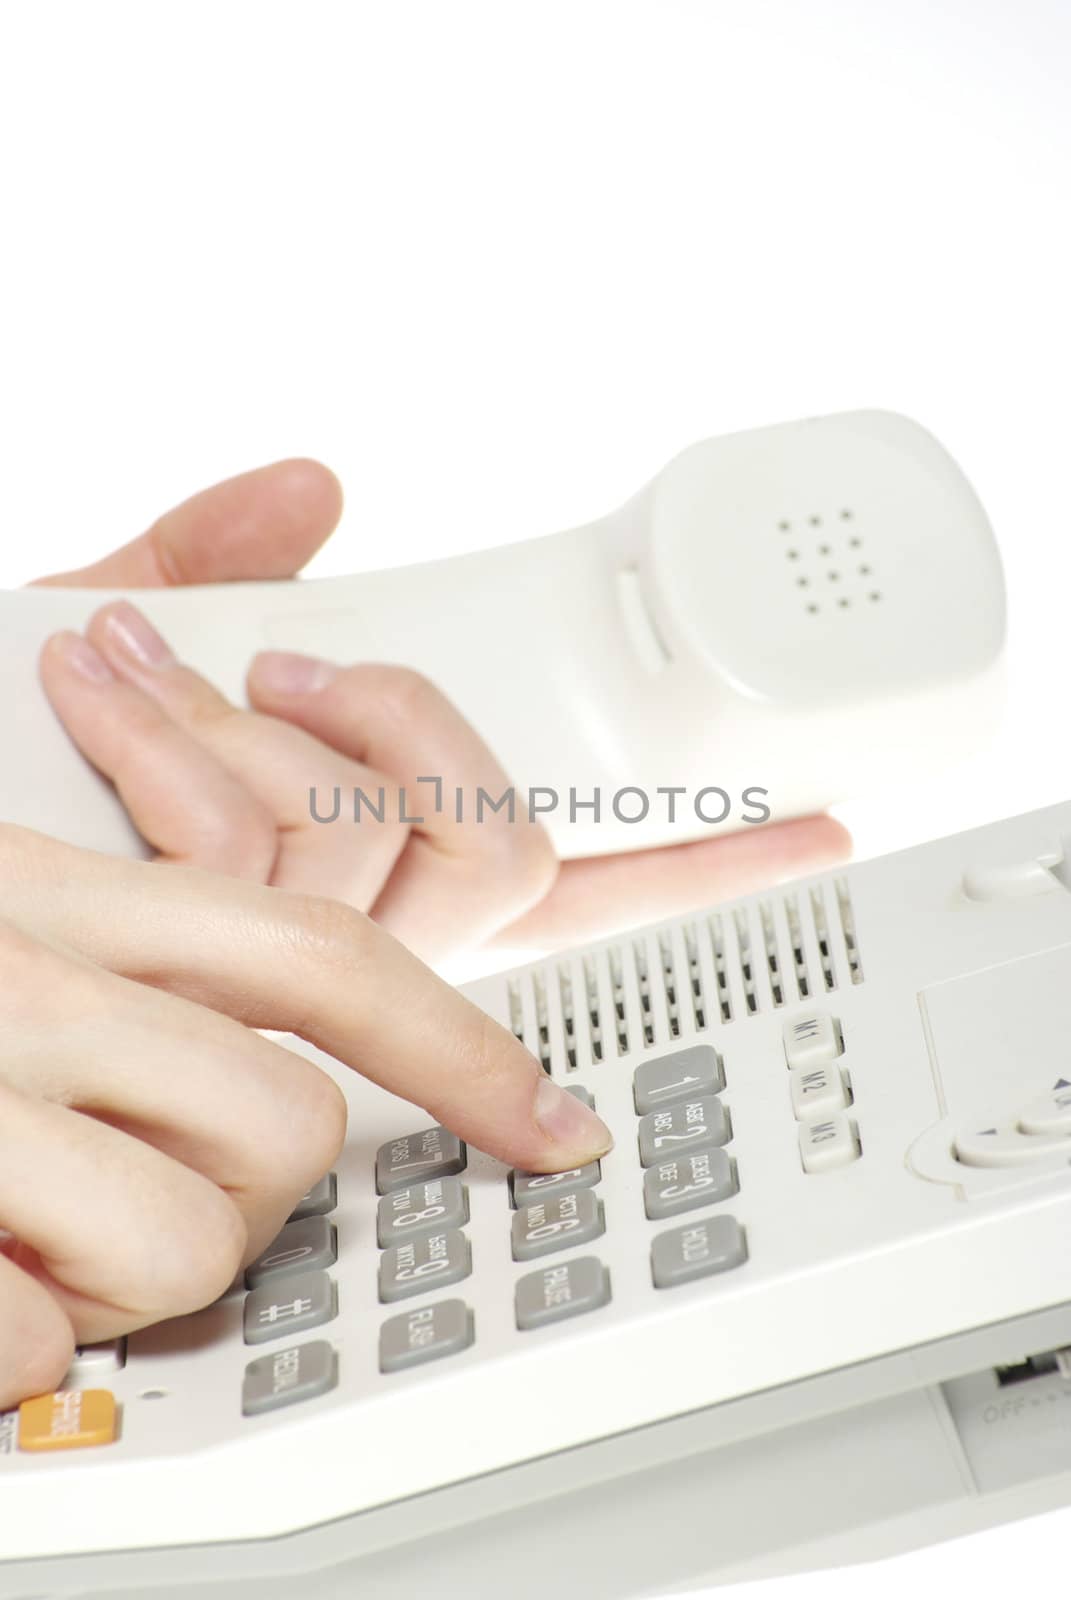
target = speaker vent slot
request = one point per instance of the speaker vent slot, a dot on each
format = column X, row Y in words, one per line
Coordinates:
column 617, row 981
column 643, row 979
column 747, row 970
column 721, row 973
column 799, row 952
column 542, row 1021
column 591, row 989
column 669, row 982
column 565, row 996
column 773, row 954
column 821, row 932
column 847, row 928
column 695, row 978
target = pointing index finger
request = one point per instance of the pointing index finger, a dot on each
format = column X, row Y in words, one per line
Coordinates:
column 310, row 966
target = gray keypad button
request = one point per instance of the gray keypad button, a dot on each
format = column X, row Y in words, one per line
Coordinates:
column 288, row 1305
column 682, row 1129
column 300, row 1372
column 698, row 1250
column 422, row 1208
column 424, row 1334
column 558, row 1224
column 419, row 1265
column 297, row 1247
column 585, row 1096
column 525, row 1187
column 684, row 1075
column 321, row 1198
column 684, row 1182
column 431, row 1153
column 566, row 1289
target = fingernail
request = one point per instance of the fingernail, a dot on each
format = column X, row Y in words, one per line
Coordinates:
column 78, row 654
column 567, row 1122
column 283, row 672
column 135, row 635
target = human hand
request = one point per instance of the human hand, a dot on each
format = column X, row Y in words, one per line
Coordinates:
column 227, row 789
column 151, row 1142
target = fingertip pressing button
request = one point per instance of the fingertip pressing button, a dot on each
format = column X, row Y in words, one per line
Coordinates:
column 525, row 1187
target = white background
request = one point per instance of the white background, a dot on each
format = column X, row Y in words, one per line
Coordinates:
column 496, row 263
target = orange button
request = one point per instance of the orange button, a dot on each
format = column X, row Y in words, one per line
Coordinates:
column 68, row 1420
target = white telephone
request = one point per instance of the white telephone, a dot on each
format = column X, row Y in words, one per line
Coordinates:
column 813, row 1307
column 783, row 618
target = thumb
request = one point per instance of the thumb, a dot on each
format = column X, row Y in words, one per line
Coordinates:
column 263, row 524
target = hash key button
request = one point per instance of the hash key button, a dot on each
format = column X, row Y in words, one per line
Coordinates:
column 283, row 1378
column 297, row 1247
column 680, row 1076
column 684, row 1182
column 688, row 1126
column 566, row 1289
column 422, row 1208
column 704, row 1247
column 432, row 1153
column 288, row 1305
column 424, row 1334
column 558, row 1224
